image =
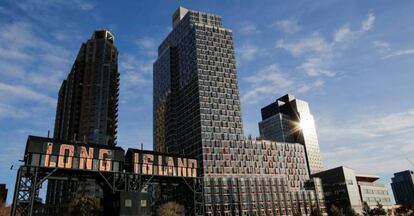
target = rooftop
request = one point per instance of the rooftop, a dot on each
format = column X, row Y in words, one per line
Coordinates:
column 103, row 34
column 366, row 177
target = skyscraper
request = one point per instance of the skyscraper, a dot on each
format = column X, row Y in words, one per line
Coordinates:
column 196, row 95
column 196, row 110
column 289, row 120
column 88, row 99
column 86, row 112
column 403, row 188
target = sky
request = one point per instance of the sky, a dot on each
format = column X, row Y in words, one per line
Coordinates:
column 351, row 60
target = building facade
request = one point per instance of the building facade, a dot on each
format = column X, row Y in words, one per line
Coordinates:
column 87, row 112
column 196, row 95
column 346, row 189
column 340, row 188
column 289, row 120
column 271, row 179
column 196, row 110
column 372, row 192
column 88, row 99
column 403, row 187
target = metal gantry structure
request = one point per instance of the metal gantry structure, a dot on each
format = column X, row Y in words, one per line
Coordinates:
column 30, row 179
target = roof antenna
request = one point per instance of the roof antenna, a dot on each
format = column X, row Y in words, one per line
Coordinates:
column 48, row 133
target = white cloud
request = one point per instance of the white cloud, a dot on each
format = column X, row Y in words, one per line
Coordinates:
column 369, row 141
column 287, row 26
column 29, row 58
column 318, row 54
column 399, row 53
column 267, row 81
column 11, row 70
column 368, row 23
column 34, row 5
column 84, row 5
column 135, row 72
column 248, row 52
column 31, row 69
column 68, row 35
column 383, row 47
column 314, row 66
column 271, row 81
column 343, row 34
column 135, row 78
column 15, row 92
column 311, row 44
column 44, row 11
column 306, row 86
column 381, row 44
column 148, row 46
column 31, row 5
column 17, row 37
column 375, row 125
column 146, row 43
column 130, row 62
column 7, row 111
column 248, row 28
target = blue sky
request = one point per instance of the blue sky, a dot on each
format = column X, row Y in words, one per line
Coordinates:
column 351, row 60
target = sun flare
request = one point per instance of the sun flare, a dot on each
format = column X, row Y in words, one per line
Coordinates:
column 305, row 124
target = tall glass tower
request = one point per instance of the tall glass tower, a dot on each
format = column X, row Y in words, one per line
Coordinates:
column 196, row 103
column 87, row 108
column 289, row 120
column 87, row 111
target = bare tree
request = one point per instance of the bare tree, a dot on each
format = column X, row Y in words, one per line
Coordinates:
column 86, row 206
column 335, row 211
column 170, row 209
column 378, row 211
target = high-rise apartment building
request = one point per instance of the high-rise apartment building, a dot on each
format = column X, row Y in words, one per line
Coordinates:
column 87, row 111
column 196, row 110
column 403, row 188
column 88, row 99
column 196, row 96
column 289, row 120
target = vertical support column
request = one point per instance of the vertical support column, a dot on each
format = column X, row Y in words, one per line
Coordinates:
column 33, row 191
column 16, row 192
column 198, row 189
column 26, row 191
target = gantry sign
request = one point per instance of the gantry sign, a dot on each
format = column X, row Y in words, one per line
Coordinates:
column 45, row 157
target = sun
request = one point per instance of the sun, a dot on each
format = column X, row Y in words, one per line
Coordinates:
column 305, row 124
